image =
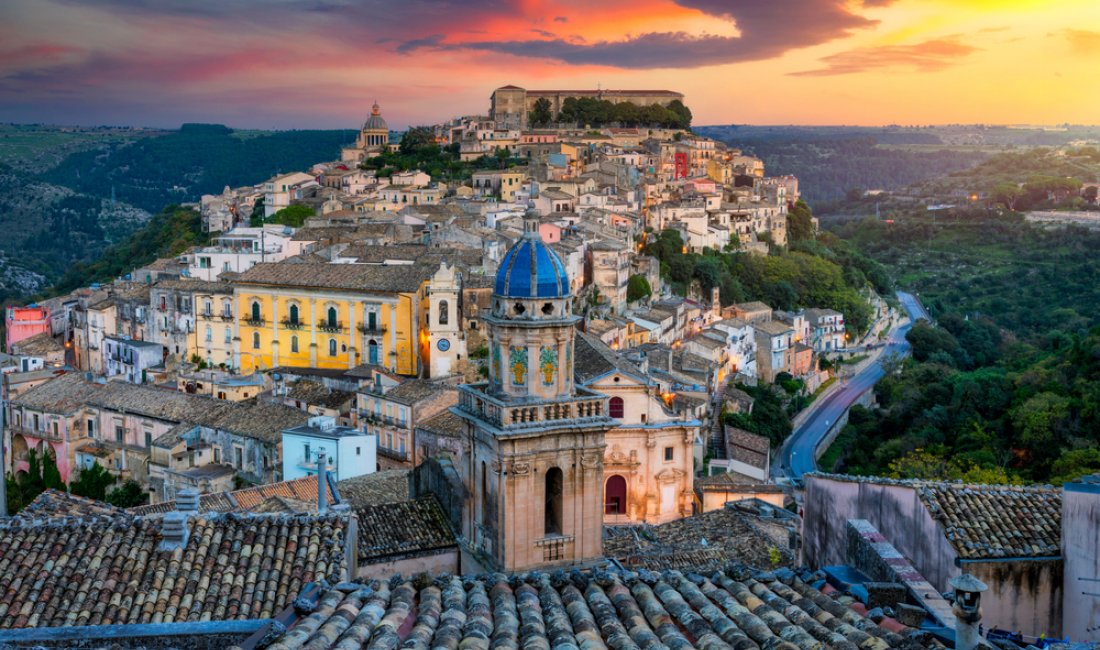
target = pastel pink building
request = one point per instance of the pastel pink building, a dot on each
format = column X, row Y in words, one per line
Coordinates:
column 24, row 322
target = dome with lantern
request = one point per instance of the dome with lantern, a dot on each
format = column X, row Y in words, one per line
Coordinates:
column 531, row 269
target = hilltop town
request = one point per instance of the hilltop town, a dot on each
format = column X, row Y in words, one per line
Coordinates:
column 469, row 349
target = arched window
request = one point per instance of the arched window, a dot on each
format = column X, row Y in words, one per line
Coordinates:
column 332, row 347
column 255, row 340
column 255, row 311
column 615, row 408
column 443, row 315
column 294, row 344
column 332, row 317
column 293, row 319
column 372, row 352
column 614, row 501
column 552, row 515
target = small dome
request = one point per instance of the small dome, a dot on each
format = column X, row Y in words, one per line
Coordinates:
column 530, row 269
column 375, row 121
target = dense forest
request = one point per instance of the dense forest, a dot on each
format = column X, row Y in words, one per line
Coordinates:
column 98, row 194
column 588, row 111
column 1007, row 387
column 198, row 159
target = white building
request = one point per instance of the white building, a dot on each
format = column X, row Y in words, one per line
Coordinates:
column 348, row 452
column 827, row 329
column 281, row 190
column 130, row 359
column 740, row 346
column 240, row 249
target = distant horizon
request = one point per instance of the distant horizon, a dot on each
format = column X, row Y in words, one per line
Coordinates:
column 322, row 63
column 355, row 127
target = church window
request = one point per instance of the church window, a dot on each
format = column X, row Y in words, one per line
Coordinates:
column 293, row 318
column 443, row 315
column 669, row 453
column 256, row 311
column 332, row 317
column 548, row 309
column 519, row 308
column 255, row 340
column 615, row 408
column 294, row 344
column 552, row 516
column 332, row 347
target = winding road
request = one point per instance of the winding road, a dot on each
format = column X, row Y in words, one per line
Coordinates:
column 796, row 456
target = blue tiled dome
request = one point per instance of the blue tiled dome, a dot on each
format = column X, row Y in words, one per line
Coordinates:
column 532, row 270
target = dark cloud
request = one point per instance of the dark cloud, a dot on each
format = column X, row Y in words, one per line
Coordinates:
column 417, row 43
column 767, row 29
column 928, row 56
column 561, row 19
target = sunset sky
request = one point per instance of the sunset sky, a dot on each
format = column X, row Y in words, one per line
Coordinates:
column 321, row 63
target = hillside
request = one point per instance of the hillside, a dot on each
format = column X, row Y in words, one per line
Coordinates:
column 67, row 194
column 831, row 161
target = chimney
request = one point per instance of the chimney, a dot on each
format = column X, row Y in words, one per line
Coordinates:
column 174, row 531
column 968, row 611
column 187, row 501
column 322, row 483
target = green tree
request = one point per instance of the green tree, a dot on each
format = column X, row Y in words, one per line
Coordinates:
column 1075, row 463
column 637, row 287
column 417, row 139
column 1090, row 194
column 292, row 215
column 541, row 115
column 128, row 495
column 800, row 225
column 1039, row 419
column 1006, row 194
column 92, row 482
column 682, row 113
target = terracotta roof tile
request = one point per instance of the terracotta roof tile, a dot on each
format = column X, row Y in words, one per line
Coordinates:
column 387, row 486
column 55, row 503
column 110, row 570
column 407, row 527
column 733, row 608
column 247, row 499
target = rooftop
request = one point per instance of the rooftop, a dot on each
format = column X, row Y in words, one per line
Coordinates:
column 54, row 503
column 387, row 486
column 357, row 277
column 402, row 528
column 110, row 570
column 247, row 499
column 731, row 608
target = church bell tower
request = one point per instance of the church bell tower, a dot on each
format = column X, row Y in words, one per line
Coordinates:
column 535, row 468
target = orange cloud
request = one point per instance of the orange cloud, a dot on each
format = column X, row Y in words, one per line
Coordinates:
column 1082, row 41
column 927, row 56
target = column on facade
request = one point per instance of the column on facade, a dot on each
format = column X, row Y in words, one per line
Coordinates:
column 274, row 331
column 390, row 360
column 352, row 348
column 313, row 332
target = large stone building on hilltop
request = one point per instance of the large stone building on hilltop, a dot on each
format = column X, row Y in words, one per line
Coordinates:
column 510, row 105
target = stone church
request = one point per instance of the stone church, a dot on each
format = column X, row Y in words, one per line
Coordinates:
column 373, row 138
column 535, row 440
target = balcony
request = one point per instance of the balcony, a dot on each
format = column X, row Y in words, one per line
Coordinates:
column 255, row 322
column 227, row 317
column 393, row 454
column 292, row 325
column 330, row 327
column 384, row 420
column 371, row 330
column 585, row 407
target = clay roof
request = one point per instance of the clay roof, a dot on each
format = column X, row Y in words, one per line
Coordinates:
column 986, row 521
column 414, row 391
column 741, row 537
column 731, row 608
column 388, row 486
column 316, row 393
column 991, row 521
column 110, row 570
column 55, row 503
column 247, row 499
column 68, row 393
column 41, row 343
column 403, row 528
column 353, row 277
column 444, row 423
column 593, row 358
column 747, row 447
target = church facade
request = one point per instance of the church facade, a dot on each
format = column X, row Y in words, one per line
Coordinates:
column 535, row 440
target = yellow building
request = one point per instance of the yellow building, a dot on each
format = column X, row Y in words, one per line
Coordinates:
column 212, row 340
column 329, row 316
